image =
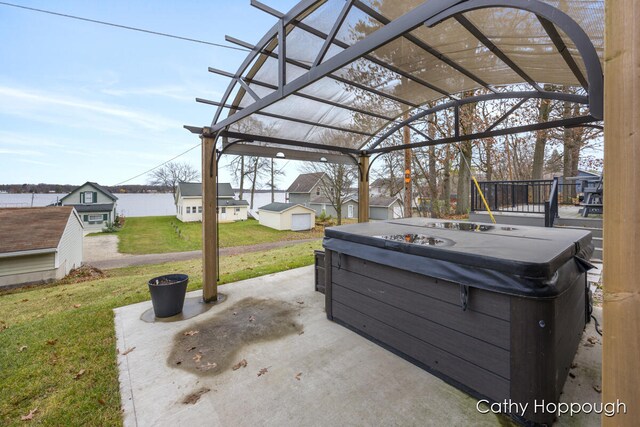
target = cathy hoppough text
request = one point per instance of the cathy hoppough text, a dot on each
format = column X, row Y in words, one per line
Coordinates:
column 609, row 409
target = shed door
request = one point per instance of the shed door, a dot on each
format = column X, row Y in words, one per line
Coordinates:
column 397, row 212
column 301, row 222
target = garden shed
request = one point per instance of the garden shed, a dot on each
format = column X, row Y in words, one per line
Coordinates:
column 287, row 216
column 38, row 245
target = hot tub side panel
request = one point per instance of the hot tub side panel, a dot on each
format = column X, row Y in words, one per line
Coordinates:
column 545, row 334
column 422, row 319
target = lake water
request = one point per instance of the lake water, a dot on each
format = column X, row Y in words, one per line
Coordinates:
column 147, row 204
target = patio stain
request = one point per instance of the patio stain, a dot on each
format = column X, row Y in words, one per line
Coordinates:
column 216, row 346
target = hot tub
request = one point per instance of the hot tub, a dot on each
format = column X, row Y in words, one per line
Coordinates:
column 497, row 311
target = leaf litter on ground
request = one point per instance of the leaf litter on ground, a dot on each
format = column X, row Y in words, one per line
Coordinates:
column 240, row 364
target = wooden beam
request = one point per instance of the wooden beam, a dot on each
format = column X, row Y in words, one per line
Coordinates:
column 621, row 311
column 209, row 218
column 363, row 190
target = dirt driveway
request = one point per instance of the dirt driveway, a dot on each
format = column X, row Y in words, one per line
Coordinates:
column 102, row 252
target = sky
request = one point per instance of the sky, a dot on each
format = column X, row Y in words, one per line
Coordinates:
column 86, row 102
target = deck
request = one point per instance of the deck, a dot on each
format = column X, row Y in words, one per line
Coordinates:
column 301, row 369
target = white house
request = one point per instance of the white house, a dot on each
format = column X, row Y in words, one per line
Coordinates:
column 38, row 245
column 287, row 216
column 189, row 205
column 95, row 204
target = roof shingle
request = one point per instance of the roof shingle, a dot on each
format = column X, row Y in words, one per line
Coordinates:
column 194, row 189
column 28, row 229
column 304, row 182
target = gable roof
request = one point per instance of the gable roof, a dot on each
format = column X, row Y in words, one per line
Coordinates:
column 383, row 201
column 30, row 229
column 281, row 207
column 194, row 189
column 232, row 202
column 305, row 182
column 95, row 185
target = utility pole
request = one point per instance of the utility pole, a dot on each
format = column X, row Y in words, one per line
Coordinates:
column 408, row 199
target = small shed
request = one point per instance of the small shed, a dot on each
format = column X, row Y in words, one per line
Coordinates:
column 39, row 245
column 385, row 208
column 287, row 216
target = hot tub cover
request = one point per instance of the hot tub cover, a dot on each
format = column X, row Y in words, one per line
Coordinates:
column 526, row 261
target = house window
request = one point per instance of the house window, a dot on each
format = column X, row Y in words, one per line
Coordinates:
column 188, row 209
column 237, row 210
column 318, row 191
column 88, row 197
column 193, row 209
column 95, row 218
column 199, row 209
column 223, row 210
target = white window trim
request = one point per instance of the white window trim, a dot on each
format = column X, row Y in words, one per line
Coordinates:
column 92, row 217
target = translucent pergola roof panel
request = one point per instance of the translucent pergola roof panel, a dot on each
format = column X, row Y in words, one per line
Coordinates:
column 342, row 74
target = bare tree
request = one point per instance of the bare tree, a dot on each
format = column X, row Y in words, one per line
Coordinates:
column 171, row 174
column 258, row 166
column 239, row 173
column 336, row 184
column 274, row 175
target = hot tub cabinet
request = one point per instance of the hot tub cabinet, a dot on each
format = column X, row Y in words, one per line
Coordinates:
column 496, row 311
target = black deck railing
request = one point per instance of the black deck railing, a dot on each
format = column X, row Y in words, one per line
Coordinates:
column 529, row 196
column 551, row 205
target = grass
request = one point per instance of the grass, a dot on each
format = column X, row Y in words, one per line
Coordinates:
column 58, row 345
column 162, row 234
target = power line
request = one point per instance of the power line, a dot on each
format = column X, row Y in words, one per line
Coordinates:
column 95, row 21
column 160, row 165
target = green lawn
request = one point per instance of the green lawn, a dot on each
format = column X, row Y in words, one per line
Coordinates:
column 162, row 234
column 58, row 346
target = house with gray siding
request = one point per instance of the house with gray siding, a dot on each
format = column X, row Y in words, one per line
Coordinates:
column 322, row 204
column 39, row 245
column 95, row 204
column 308, row 190
column 306, row 186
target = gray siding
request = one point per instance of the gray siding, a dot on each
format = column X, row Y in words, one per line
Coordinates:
column 302, row 199
column 331, row 211
column 92, row 226
column 27, row 264
column 70, row 247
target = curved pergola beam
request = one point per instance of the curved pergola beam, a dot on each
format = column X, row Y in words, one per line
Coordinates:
column 525, row 95
column 259, row 47
column 563, row 21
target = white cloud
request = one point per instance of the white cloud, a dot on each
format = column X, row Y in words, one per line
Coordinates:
column 35, row 162
column 21, row 139
column 17, row 152
column 174, row 92
column 76, row 112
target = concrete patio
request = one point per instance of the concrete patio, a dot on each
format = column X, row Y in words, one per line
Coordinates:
column 301, row 369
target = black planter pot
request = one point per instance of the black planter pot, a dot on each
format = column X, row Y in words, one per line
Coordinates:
column 167, row 294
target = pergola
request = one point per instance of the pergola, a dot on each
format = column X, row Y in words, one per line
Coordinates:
column 332, row 80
